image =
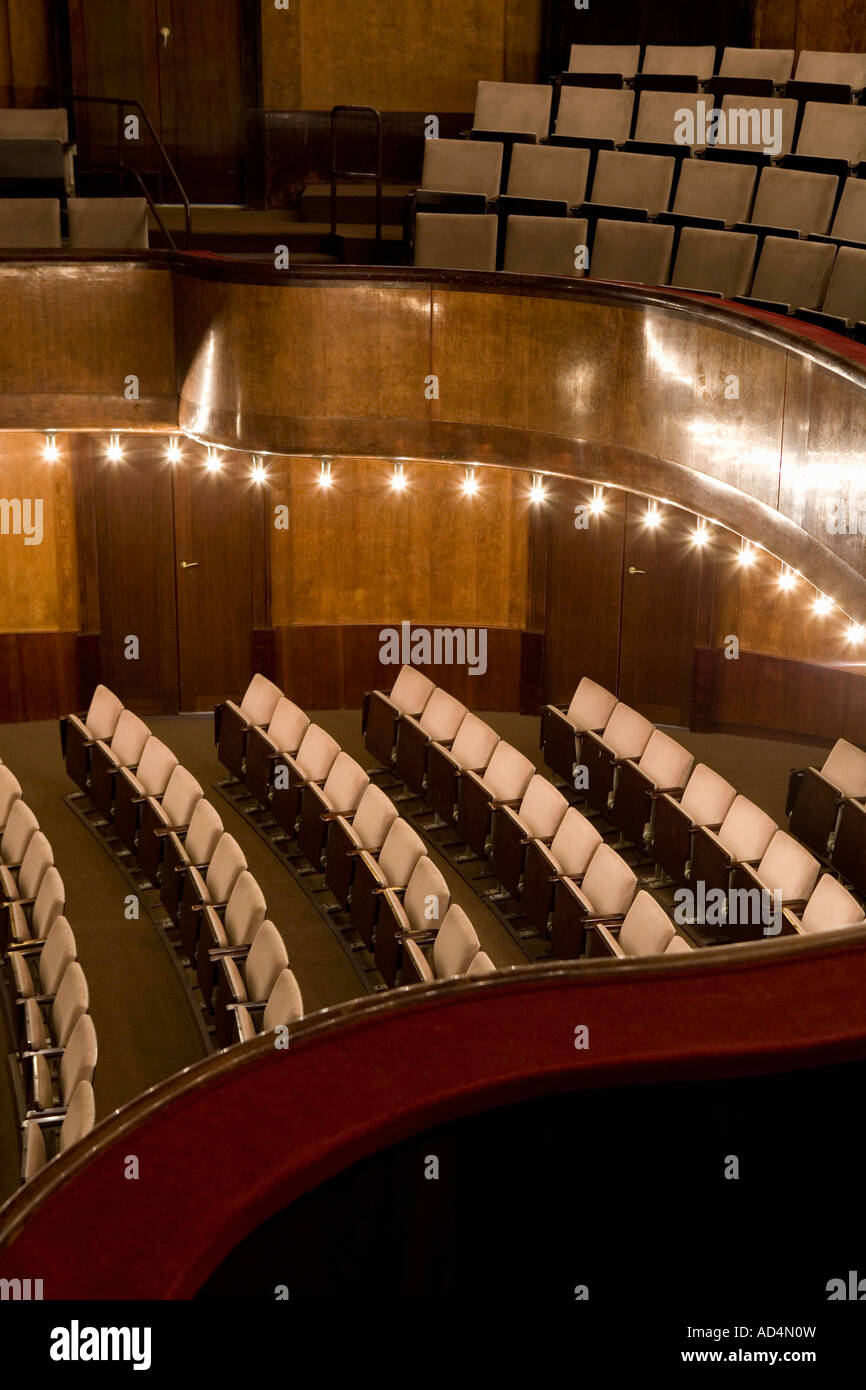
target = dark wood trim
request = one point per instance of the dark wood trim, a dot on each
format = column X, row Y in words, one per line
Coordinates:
column 40, row 675
column 772, row 694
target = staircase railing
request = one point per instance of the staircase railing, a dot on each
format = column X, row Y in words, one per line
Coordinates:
column 356, row 175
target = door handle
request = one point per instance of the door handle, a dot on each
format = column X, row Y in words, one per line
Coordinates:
column 165, row 34
column 188, row 564
column 632, row 570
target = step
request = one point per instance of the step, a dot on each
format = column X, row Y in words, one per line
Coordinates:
column 356, row 202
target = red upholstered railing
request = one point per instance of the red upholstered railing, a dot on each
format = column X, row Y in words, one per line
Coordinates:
column 236, row 1138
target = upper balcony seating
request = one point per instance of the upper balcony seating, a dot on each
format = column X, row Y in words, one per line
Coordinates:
column 830, row 906
column 622, row 59
column 78, row 732
column 672, row 60
column 563, row 728
column 625, row 735
column 392, row 868
column 815, row 796
column 184, row 849
column 424, row 905
column 284, row 1006
column 715, row 262
column 659, row 122
column 794, row 200
column 595, row 115
column 793, row 274
column 381, row 713
column 785, row 868
column 567, row 856
column 456, row 240
column 438, row 723
column 773, row 65
column 106, row 759
column 646, row 930
column 545, row 179
column 626, row 180
column 247, row 977
column 664, row 767
column 537, row 818
column 632, row 252
column 833, row 133
column 839, row 69
column 286, row 729
column 545, row 245
column 706, row 800
column 349, row 835
column 471, row 751
column 604, row 894
column 160, row 815
column 503, row 781
column 77, row 1123
column 742, row 838
column 712, row 192
column 452, row 950
column 744, row 134
column 29, row 224
column 459, row 175
column 232, row 722
column 312, row 763
column 513, row 108
column 117, row 224
column 341, row 795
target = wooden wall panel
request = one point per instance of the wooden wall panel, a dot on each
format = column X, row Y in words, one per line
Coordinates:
column 791, row 697
column 834, row 25
column 38, row 582
column 40, row 675
column 360, row 552
column 26, row 60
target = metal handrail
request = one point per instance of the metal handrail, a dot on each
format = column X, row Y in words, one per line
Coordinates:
column 123, row 103
column 371, row 175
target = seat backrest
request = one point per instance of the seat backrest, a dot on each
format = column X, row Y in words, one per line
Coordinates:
column 317, row 753
column 850, row 219
column 288, row 725
column 427, row 896
column 746, row 830
column 267, row 957
column 21, row 826
column 547, row 171
column 246, row 910
column 375, row 815
column 455, row 241
column 647, row 929
column 79, row 1060
column 456, row 944
column 481, row 964
column 442, row 716
column 788, row 866
column 346, row 783
column 80, row 1116
column 60, row 950
column 545, row 245
column 156, row 766
column 116, row 223
column 794, row 272
column 676, row 945
column 542, row 808
column 575, row 842
column 609, row 883
column 129, row 737
column 70, row 1002
column 633, row 180
column 103, row 713
column 10, row 792
column 715, row 188
column 831, row 906
column 50, row 903
column 665, row 761
column 463, row 166
column 29, row 123
column 182, row 795
column 773, row 63
column 513, row 106
column 795, row 198
column 845, row 767
column 848, row 69
column 474, row 743
column 591, row 706
column 846, row 292
column 660, row 119
column 227, row 863
column 205, row 829
column 30, row 223
column 679, row 60
column 285, row 1004
column 38, row 857
column 605, row 57
column 260, row 699
column 401, row 850
column 749, row 121
column 627, row 732
column 715, row 261
column 631, row 251
column 708, row 797
column 833, row 131
column 595, row 113
column 508, row 772
column 411, row 691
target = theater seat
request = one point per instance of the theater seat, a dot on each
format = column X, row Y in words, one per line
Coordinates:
column 438, row 723
column 211, row 890
column 716, row 262
column 10, row 792
column 625, row 735
column 455, row 241
column 547, row 174
column 284, row 733
column 793, row 274
column 79, row 732
column 646, row 930
column 341, row 795
column 595, row 114
column 29, row 224
column 185, row 848
column 117, row 224
column 503, row 782
column 815, row 796
column 659, row 119
column 454, row 948
column 20, row 827
column 742, row 838
column 481, row 964
column 546, row 246
column 245, row 977
column 662, row 769
column 849, row 224
column 50, row 1090
column 312, row 764
column 422, row 910
column 31, row 922
column 225, row 927
column 513, row 108
column 705, row 801
column 830, row 906
column 392, row 868
column 537, row 818
column 846, row 292
column 745, row 133
column 794, row 198
column 77, row 1123
column 633, row 252
column 786, row 868
column 349, row 835
column 625, row 180
column 691, row 60
column 713, row 190
column 149, row 780
column 232, row 722
column 604, row 895
column 462, row 167
column 775, row 64
column 21, row 885
column 847, row 69
column 106, row 759
column 37, row 967
column 47, row 1023
column 620, row 58
column 567, row 856
column 284, row 1007
column 471, row 750
column 162, row 815
column 562, row 728
column 677, row 945
column 381, row 713
column 833, row 131
column 848, row 855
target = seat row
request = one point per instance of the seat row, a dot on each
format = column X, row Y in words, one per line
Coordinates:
column 827, row 811
column 773, row 66
column 46, row 989
column 375, row 865
column 160, row 814
column 92, row 224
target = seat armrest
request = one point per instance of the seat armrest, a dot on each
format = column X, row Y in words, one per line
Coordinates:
column 390, row 888
column 505, row 805
column 675, row 792
column 26, row 948
column 420, row 937
column 17, row 902
column 796, row 905
column 793, row 921
column 162, row 830
column 604, row 934
column 203, row 907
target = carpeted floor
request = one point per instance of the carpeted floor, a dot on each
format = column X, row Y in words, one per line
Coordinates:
column 142, row 1015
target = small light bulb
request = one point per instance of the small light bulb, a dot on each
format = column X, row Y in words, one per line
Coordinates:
column 325, row 479
column 398, row 478
column 258, row 471
column 536, row 491
column 822, row 604
column 51, row 450
column 470, row 483
column 653, row 517
column 114, row 451
column 599, row 502
column 856, row 633
column 172, row 452
column 212, row 462
column 787, row 579
column 701, row 534
column 746, row 556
